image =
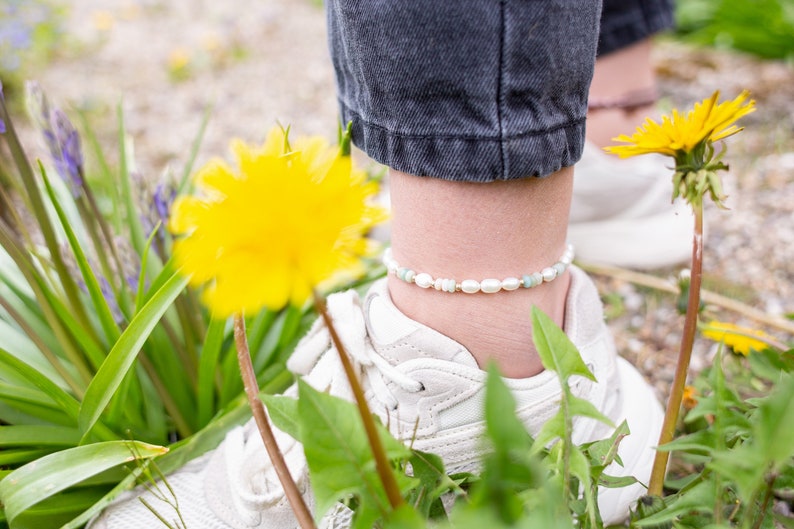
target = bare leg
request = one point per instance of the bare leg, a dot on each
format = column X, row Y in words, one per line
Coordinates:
column 623, row 75
column 476, row 231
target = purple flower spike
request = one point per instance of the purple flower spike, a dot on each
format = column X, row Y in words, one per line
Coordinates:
column 164, row 196
column 69, row 158
column 60, row 136
column 2, row 123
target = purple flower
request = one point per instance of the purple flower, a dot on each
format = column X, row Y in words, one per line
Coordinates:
column 60, row 136
column 164, row 196
column 2, row 123
column 69, row 161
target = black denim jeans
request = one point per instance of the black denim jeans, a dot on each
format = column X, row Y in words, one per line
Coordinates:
column 475, row 90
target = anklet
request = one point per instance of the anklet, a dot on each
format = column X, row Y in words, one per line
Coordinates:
column 472, row 286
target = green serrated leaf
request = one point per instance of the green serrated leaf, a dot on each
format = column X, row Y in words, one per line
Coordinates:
column 700, row 442
column 433, row 483
column 283, row 411
column 504, row 429
column 557, row 352
column 774, row 426
column 51, row 474
column 698, row 499
column 338, row 454
column 553, row 429
column 603, row 452
column 583, row 408
column 405, row 518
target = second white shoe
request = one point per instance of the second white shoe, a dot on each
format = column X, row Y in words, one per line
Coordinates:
column 622, row 213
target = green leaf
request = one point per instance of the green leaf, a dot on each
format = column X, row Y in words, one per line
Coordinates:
column 552, row 430
column 92, row 285
column 702, row 442
column 583, row 408
column 38, row 435
column 698, row 499
column 124, row 352
column 405, row 517
column 208, row 364
column 603, row 452
column 283, row 411
column 59, row 509
column 433, row 483
column 51, row 474
column 17, row 456
column 774, row 427
column 557, row 352
column 505, row 430
column 65, row 402
column 338, row 454
column 132, row 221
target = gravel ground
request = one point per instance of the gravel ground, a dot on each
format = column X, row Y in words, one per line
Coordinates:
column 258, row 63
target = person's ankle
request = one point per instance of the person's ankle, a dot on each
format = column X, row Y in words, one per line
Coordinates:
column 493, row 327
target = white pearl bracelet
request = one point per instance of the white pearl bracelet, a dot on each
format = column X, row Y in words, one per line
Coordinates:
column 472, row 286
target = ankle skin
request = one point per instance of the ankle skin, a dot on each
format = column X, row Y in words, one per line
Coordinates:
column 476, row 231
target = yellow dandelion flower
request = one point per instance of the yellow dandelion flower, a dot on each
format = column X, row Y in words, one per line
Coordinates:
column 740, row 339
column 103, row 20
column 679, row 133
column 690, row 398
column 178, row 59
column 276, row 226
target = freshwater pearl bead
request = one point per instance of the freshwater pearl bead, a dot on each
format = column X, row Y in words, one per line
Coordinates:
column 511, row 283
column 470, row 286
column 490, row 286
column 548, row 274
column 423, row 280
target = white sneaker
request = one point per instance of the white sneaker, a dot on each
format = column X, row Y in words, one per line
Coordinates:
column 622, row 214
column 432, row 391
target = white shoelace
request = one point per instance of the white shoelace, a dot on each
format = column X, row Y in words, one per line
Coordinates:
column 348, row 317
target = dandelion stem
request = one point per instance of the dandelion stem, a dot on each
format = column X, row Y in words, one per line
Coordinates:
column 381, row 460
column 656, row 483
column 302, row 513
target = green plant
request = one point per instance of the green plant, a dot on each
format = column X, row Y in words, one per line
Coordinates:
column 101, row 343
column 762, row 27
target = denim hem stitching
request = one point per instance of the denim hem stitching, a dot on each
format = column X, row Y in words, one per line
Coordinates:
column 500, row 138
